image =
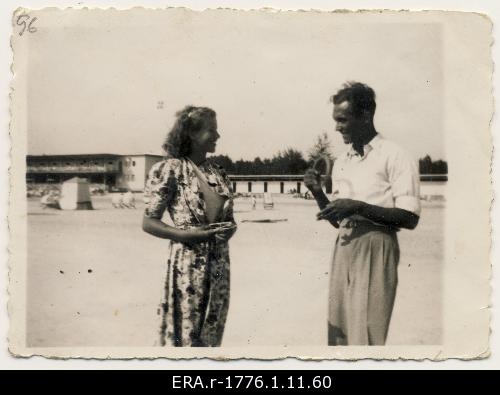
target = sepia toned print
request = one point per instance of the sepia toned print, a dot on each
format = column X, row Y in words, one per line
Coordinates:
column 256, row 184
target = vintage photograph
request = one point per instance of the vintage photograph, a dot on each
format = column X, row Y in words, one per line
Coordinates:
column 247, row 184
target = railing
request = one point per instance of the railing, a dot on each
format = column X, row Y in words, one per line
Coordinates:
column 299, row 177
column 73, row 169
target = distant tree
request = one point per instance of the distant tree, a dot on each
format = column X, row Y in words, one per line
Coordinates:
column 439, row 167
column 427, row 166
column 241, row 167
column 321, row 147
column 291, row 161
column 223, row 160
column 258, row 166
column 267, row 167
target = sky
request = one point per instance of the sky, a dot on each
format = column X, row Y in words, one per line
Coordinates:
column 102, row 82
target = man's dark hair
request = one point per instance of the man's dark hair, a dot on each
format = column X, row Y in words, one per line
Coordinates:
column 359, row 95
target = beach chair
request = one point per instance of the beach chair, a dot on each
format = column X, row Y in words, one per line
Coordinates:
column 268, row 201
column 117, row 200
column 128, row 200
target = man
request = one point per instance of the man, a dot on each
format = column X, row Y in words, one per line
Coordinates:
column 376, row 193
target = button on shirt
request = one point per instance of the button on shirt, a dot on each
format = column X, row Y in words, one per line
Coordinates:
column 384, row 176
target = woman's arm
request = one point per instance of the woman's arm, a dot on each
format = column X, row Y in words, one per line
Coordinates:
column 160, row 229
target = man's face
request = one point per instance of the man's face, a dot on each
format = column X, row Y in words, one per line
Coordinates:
column 349, row 126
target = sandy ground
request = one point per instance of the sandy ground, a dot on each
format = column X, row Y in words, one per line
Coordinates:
column 94, row 278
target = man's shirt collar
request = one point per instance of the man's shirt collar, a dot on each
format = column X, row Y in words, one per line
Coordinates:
column 374, row 143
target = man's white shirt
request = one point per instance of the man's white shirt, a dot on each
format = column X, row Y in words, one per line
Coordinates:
column 386, row 176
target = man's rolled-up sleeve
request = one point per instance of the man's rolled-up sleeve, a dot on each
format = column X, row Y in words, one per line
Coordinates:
column 405, row 182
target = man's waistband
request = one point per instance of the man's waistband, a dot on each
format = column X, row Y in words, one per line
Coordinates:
column 357, row 221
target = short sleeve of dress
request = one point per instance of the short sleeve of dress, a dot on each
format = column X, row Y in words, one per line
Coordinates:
column 161, row 187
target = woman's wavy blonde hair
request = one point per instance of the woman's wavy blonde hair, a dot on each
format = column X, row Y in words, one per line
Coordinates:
column 190, row 119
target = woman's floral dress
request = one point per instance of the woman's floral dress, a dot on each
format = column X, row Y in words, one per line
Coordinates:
column 196, row 288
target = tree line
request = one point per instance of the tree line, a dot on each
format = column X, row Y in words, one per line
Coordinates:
column 428, row 166
column 293, row 161
column 290, row 161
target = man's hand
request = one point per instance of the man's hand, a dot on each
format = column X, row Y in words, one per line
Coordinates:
column 339, row 209
column 312, row 180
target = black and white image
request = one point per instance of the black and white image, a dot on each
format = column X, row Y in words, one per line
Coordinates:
column 258, row 183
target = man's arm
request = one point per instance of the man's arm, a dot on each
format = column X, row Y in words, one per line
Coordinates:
column 312, row 182
column 394, row 217
column 320, row 198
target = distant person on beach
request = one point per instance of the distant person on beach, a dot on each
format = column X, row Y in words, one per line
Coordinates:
column 117, row 200
column 375, row 193
column 129, row 199
column 50, row 200
column 254, row 202
column 198, row 197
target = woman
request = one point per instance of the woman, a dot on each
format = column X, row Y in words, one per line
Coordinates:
column 196, row 195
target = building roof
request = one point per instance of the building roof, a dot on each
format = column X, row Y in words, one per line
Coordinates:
column 155, row 155
column 84, row 156
column 73, row 156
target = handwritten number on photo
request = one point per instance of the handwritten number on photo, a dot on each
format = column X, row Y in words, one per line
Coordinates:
column 26, row 22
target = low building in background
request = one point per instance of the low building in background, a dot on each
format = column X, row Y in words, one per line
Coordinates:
column 267, row 183
column 112, row 173
column 134, row 171
column 108, row 172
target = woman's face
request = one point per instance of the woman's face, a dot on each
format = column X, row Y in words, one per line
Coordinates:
column 205, row 140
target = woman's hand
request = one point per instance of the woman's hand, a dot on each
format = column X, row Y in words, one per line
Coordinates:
column 198, row 235
column 226, row 233
column 156, row 227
